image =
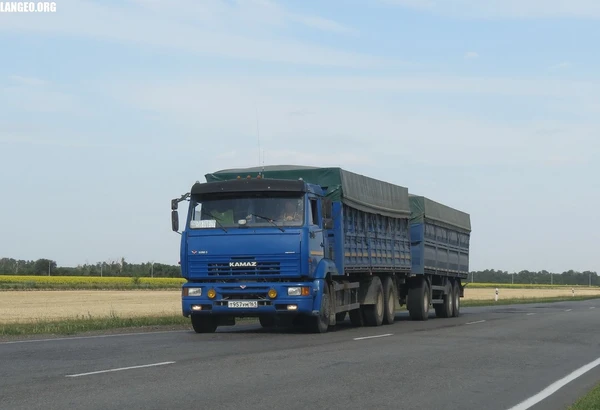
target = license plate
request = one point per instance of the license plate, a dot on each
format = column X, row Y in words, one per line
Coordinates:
column 242, row 304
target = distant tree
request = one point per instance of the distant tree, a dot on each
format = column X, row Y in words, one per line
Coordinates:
column 43, row 266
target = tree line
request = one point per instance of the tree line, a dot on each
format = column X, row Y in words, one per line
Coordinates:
column 120, row 267
column 543, row 277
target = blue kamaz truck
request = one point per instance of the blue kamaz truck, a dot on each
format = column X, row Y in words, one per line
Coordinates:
column 306, row 246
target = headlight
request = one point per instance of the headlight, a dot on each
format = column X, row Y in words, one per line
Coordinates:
column 298, row 291
column 295, row 291
column 194, row 291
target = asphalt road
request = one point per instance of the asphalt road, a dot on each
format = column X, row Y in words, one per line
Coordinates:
column 489, row 358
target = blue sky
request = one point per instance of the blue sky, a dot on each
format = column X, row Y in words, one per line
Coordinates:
column 110, row 109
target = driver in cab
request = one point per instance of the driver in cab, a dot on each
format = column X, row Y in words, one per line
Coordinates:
column 290, row 212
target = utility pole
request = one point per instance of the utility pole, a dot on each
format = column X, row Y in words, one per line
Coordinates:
column 152, row 270
column 49, row 263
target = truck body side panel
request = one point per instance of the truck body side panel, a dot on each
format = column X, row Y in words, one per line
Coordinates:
column 440, row 239
column 373, row 242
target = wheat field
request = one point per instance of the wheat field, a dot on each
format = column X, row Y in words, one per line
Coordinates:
column 28, row 306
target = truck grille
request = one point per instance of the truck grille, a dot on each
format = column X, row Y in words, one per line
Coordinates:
column 244, row 267
column 261, row 268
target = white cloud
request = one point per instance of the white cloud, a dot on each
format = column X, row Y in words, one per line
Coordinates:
column 30, row 81
column 586, row 9
column 561, row 66
column 30, row 94
column 244, row 30
column 471, row 55
column 351, row 120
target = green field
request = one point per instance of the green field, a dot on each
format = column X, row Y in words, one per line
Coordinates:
column 15, row 282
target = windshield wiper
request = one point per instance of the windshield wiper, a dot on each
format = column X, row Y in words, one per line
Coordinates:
column 269, row 220
column 203, row 212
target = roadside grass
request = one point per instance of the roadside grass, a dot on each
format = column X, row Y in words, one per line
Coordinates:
column 590, row 401
column 88, row 324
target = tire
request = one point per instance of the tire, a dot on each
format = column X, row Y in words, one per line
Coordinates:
column 418, row 299
column 373, row 314
column 356, row 317
column 267, row 321
column 204, row 323
column 389, row 301
column 320, row 324
column 456, row 299
column 340, row 317
column 446, row 309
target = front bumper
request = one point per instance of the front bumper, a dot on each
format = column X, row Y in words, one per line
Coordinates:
column 255, row 294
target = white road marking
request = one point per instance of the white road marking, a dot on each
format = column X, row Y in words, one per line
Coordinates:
column 119, row 369
column 593, row 307
column 529, row 314
column 568, row 310
column 372, row 337
column 548, row 391
column 90, row 337
column 472, row 323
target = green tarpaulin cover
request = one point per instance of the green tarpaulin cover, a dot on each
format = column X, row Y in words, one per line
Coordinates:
column 357, row 191
column 422, row 208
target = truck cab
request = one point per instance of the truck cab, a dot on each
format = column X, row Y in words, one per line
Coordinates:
column 253, row 247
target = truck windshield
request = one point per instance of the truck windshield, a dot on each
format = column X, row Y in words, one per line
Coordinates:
column 250, row 210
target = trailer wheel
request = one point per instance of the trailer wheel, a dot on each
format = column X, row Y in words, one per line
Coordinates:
column 374, row 313
column 320, row 324
column 446, row 309
column 418, row 299
column 389, row 301
column 456, row 299
column 204, row 324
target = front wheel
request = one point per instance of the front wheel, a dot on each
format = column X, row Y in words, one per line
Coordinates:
column 320, row 324
column 204, row 323
column 267, row 321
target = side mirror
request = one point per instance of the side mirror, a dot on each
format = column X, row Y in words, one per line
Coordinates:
column 175, row 221
column 327, row 223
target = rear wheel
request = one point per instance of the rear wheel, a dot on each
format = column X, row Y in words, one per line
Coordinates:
column 456, row 299
column 418, row 299
column 389, row 301
column 204, row 323
column 340, row 317
column 356, row 317
column 373, row 314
